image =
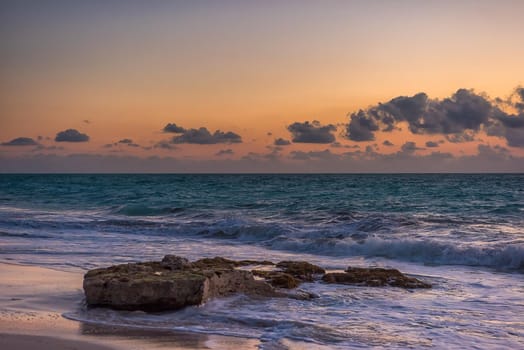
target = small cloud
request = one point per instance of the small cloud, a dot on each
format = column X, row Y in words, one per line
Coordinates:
column 410, row 147
column 312, row 132
column 281, row 142
column 126, row 141
column 21, row 141
column 173, row 128
column 202, row 136
column 432, row 144
column 71, row 135
column 225, row 152
column 387, row 143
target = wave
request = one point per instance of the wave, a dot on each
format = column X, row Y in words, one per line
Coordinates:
column 144, row 210
column 499, row 256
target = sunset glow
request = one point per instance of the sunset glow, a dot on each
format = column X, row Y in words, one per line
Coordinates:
column 124, row 70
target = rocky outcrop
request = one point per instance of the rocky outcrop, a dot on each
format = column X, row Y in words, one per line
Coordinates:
column 175, row 282
column 374, row 277
column 170, row 284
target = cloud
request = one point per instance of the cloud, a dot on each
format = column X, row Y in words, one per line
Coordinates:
column 511, row 127
column 362, row 127
column 71, row 135
column 465, row 136
column 128, row 142
column 487, row 159
column 166, row 145
column 172, row 127
column 387, row 143
column 202, row 136
column 312, row 132
column 458, row 117
column 281, row 142
column 225, row 152
column 125, row 141
column 432, row 144
column 301, row 155
column 21, row 141
column 410, row 147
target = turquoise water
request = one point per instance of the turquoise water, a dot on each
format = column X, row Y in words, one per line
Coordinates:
column 461, row 232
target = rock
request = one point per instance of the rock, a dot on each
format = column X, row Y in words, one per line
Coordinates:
column 278, row 279
column 226, row 263
column 157, row 286
column 214, row 263
column 300, row 269
column 374, row 277
column 174, row 262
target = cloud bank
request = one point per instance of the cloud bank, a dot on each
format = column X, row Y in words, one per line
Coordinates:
column 459, row 117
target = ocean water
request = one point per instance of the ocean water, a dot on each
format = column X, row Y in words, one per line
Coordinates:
column 463, row 233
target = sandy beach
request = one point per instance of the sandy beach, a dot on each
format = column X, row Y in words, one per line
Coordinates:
column 33, row 299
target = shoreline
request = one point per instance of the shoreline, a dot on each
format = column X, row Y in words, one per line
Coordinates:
column 33, row 299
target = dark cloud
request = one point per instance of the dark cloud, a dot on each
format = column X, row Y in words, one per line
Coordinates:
column 511, row 127
column 387, row 143
column 515, row 137
column 410, row 147
column 281, row 142
column 225, row 152
column 172, row 127
column 71, row 135
column 432, row 144
column 128, row 142
column 519, row 103
column 362, row 127
column 125, row 141
column 21, row 141
column 312, row 132
column 459, row 117
column 202, row 136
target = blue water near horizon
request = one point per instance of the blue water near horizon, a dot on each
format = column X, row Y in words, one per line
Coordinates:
column 461, row 232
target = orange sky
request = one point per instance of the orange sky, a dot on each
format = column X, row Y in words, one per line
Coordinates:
column 250, row 68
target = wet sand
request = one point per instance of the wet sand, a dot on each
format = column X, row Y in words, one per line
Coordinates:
column 33, row 299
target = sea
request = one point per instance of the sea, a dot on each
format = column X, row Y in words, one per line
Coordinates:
column 463, row 233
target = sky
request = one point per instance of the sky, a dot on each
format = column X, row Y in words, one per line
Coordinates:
column 261, row 86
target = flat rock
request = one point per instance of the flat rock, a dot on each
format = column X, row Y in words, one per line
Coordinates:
column 157, row 286
column 374, row 277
